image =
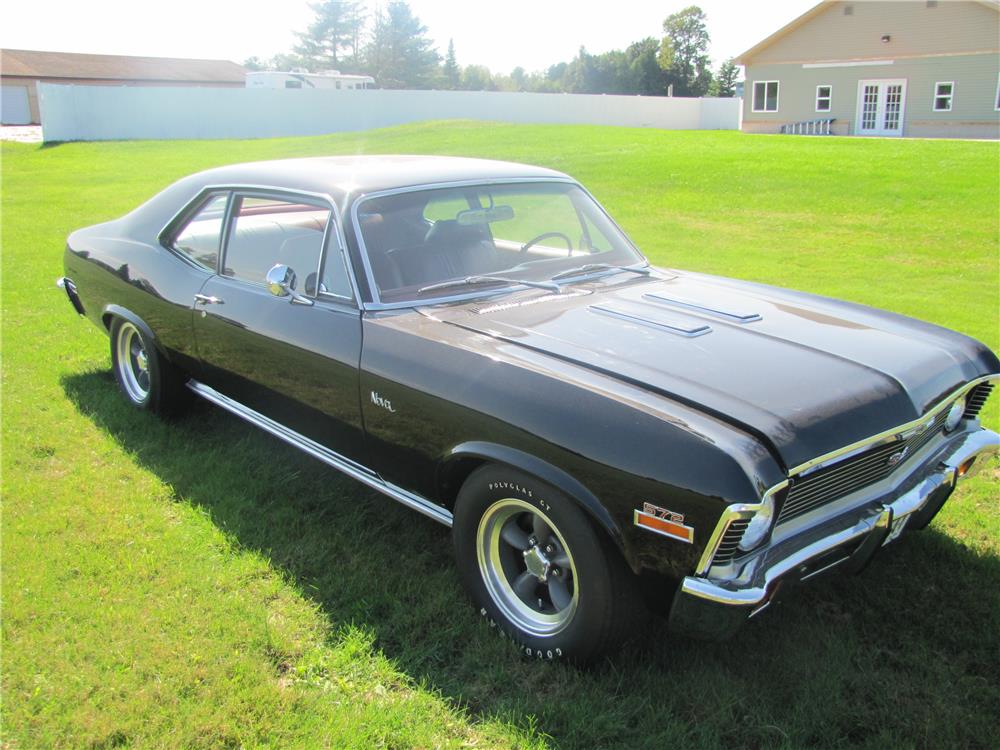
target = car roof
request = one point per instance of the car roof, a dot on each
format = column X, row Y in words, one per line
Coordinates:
column 338, row 176
column 343, row 178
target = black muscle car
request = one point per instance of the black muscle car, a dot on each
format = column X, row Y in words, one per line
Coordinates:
column 479, row 341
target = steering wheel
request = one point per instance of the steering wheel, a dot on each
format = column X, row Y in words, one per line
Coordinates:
column 535, row 240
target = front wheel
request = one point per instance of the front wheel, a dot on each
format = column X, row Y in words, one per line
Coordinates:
column 538, row 569
column 146, row 379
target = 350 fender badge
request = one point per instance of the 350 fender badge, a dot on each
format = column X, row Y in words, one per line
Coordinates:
column 662, row 521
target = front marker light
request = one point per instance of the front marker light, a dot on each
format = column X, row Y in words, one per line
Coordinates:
column 759, row 525
column 954, row 414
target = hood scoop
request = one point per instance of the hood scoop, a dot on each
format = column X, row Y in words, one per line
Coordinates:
column 733, row 316
column 644, row 316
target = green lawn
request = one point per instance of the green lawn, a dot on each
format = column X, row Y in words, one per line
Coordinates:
column 198, row 584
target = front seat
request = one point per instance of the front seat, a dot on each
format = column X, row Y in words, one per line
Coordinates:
column 466, row 249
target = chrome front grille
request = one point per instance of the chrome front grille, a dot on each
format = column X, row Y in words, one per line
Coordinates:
column 728, row 547
column 855, row 472
column 976, row 399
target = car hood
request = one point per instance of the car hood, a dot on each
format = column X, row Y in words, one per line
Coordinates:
column 805, row 374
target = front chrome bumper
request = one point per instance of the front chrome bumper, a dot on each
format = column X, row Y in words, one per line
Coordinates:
column 716, row 608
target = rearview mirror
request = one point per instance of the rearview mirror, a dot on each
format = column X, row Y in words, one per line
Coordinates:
column 485, row 215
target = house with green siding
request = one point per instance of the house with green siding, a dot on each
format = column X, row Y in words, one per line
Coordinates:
column 921, row 68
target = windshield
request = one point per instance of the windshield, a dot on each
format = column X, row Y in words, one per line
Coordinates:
column 519, row 232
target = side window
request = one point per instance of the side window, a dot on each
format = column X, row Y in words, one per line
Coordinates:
column 943, row 92
column 824, row 97
column 765, row 96
column 199, row 239
column 267, row 231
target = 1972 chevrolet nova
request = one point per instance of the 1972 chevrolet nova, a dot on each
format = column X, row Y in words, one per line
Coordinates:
column 480, row 341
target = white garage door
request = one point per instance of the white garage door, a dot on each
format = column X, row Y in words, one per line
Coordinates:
column 14, row 108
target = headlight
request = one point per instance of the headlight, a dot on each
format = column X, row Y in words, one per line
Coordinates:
column 954, row 415
column 759, row 525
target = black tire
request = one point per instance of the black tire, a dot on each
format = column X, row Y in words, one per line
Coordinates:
column 584, row 600
column 146, row 379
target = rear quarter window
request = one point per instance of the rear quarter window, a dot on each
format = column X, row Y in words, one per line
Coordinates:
column 200, row 238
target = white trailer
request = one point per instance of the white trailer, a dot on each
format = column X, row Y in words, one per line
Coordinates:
column 328, row 79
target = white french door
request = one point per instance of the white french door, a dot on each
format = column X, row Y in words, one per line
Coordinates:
column 881, row 106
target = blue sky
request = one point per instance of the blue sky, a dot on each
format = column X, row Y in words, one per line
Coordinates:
column 532, row 34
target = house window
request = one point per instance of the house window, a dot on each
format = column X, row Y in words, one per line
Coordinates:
column 293, row 84
column 942, row 96
column 765, row 96
column 824, row 98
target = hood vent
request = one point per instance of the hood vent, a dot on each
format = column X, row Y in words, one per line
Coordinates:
column 675, row 326
column 734, row 316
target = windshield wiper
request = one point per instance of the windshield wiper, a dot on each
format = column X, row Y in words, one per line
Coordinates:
column 489, row 279
column 579, row 270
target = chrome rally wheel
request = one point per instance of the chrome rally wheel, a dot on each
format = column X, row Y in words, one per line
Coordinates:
column 539, row 569
column 527, row 567
column 132, row 363
column 146, row 378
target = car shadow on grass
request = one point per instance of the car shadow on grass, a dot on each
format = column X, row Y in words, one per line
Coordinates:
column 901, row 655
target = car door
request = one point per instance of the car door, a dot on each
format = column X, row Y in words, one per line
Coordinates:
column 293, row 359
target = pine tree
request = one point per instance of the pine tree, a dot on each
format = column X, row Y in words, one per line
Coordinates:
column 725, row 80
column 452, row 73
column 332, row 39
column 399, row 54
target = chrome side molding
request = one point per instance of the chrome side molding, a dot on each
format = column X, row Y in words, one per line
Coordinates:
column 330, row 458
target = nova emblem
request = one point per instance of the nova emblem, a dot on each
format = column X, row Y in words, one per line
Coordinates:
column 898, row 456
column 383, row 402
column 662, row 521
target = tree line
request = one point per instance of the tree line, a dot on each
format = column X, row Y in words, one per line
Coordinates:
column 393, row 46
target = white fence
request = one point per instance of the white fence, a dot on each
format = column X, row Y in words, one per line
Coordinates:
column 99, row 113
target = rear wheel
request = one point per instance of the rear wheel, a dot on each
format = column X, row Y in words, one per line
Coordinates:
column 538, row 569
column 144, row 376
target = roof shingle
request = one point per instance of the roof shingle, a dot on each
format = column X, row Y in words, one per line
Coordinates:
column 38, row 64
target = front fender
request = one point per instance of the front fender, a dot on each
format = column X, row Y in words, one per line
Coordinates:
column 481, row 451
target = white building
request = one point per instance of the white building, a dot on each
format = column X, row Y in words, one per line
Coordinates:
column 328, row 79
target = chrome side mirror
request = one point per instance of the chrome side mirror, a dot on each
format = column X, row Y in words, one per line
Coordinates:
column 281, row 283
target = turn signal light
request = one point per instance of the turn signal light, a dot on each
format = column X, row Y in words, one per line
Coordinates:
column 663, row 526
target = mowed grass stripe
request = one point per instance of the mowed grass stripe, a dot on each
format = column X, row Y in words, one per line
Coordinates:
column 198, row 584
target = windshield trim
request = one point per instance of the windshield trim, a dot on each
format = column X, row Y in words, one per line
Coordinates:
column 377, row 303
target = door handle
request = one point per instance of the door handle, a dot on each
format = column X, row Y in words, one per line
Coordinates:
column 204, row 299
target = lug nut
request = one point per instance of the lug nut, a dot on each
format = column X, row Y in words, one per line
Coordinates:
column 555, row 572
